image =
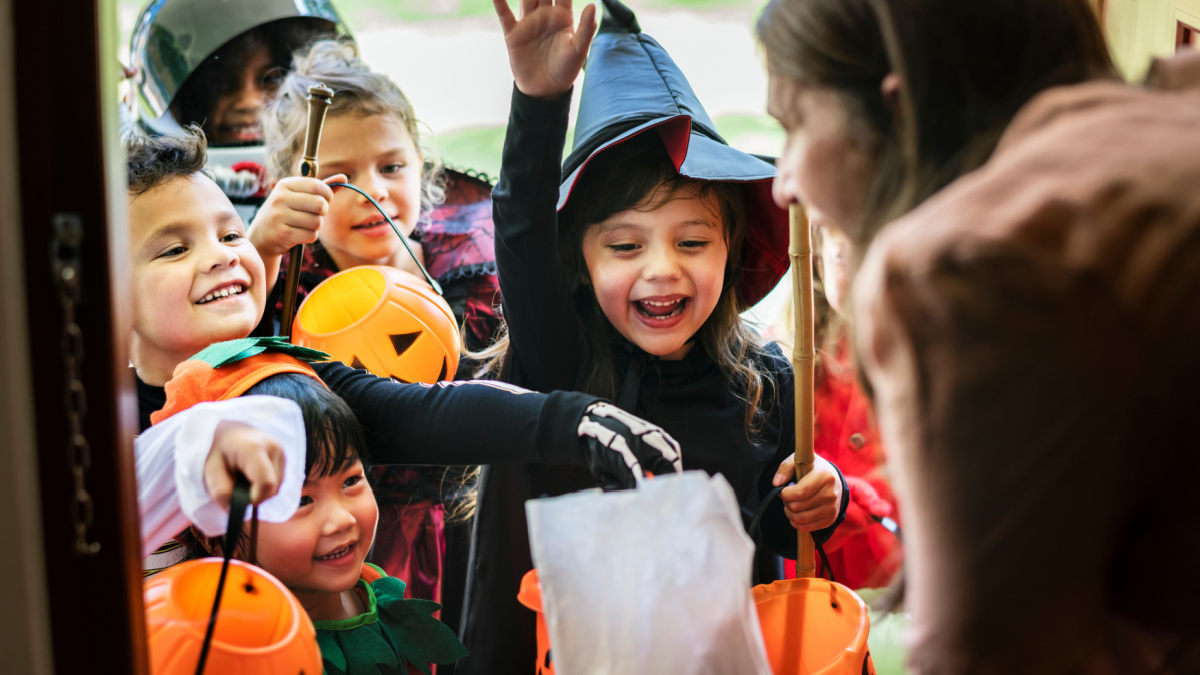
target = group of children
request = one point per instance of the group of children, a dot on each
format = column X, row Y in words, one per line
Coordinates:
column 621, row 275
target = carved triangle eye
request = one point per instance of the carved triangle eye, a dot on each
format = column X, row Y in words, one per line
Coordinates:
column 402, row 342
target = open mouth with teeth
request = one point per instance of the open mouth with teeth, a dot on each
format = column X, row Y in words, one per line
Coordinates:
column 339, row 554
column 222, row 293
column 661, row 311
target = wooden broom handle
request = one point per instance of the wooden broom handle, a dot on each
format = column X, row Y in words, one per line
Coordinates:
column 319, row 99
column 803, row 359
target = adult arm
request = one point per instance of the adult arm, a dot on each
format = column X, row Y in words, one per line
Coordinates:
column 170, row 458
column 538, row 307
column 1005, row 389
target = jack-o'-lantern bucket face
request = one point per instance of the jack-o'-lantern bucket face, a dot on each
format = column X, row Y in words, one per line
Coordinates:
column 384, row 320
column 261, row 628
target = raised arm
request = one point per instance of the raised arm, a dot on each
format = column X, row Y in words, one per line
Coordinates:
column 546, row 54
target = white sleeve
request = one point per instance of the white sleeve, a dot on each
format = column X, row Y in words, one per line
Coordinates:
column 170, row 460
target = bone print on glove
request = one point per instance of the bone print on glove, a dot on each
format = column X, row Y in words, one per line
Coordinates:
column 621, row 447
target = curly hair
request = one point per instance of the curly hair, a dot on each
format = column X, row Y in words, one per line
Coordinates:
column 151, row 161
column 358, row 91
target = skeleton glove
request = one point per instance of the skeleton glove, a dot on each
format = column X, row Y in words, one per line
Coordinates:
column 620, row 448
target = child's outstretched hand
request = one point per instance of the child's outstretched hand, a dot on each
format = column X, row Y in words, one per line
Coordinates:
column 240, row 448
column 291, row 215
column 545, row 51
column 813, row 503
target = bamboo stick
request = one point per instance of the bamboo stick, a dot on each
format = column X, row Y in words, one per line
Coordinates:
column 803, row 356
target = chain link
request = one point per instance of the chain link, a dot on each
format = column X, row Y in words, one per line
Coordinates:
column 66, row 254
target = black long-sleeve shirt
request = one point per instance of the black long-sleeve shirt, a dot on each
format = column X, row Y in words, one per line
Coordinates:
column 690, row 398
column 447, row 423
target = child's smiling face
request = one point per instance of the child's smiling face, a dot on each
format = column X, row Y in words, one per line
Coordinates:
column 197, row 279
column 319, row 552
column 658, row 274
column 378, row 155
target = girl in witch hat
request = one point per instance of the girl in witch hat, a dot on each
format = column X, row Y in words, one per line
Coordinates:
column 624, row 272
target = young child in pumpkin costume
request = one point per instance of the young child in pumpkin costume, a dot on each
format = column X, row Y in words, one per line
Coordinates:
column 624, row 272
column 371, row 139
column 365, row 626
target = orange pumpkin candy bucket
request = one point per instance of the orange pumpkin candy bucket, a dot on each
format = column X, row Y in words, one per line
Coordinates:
column 382, row 319
column 262, row 627
column 220, row 615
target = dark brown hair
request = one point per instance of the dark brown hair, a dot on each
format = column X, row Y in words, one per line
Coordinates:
column 151, row 161
column 333, row 437
column 638, row 174
column 965, row 69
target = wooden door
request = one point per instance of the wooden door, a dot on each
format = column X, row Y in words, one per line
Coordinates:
column 71, row 183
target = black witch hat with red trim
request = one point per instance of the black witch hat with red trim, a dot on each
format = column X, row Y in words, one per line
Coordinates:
column 633, row 86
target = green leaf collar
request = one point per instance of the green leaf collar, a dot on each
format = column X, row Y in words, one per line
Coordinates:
column 232, row 351
column 391, row 635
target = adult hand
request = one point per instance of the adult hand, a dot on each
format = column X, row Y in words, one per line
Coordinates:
column 812, row 503
column 545, row 50
column 621, row 447
column 240, row 448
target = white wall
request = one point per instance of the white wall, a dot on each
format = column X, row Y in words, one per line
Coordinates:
column 1141, row 30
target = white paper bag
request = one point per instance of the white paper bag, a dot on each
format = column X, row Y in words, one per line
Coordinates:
column 650, row 581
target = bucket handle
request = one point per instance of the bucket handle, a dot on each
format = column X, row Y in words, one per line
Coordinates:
column 826, row 570
column 239, row 500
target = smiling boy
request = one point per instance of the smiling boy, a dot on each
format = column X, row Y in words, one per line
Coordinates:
column 196, row 276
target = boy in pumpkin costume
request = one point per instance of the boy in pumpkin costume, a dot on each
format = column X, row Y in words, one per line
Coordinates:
column 197, row 280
